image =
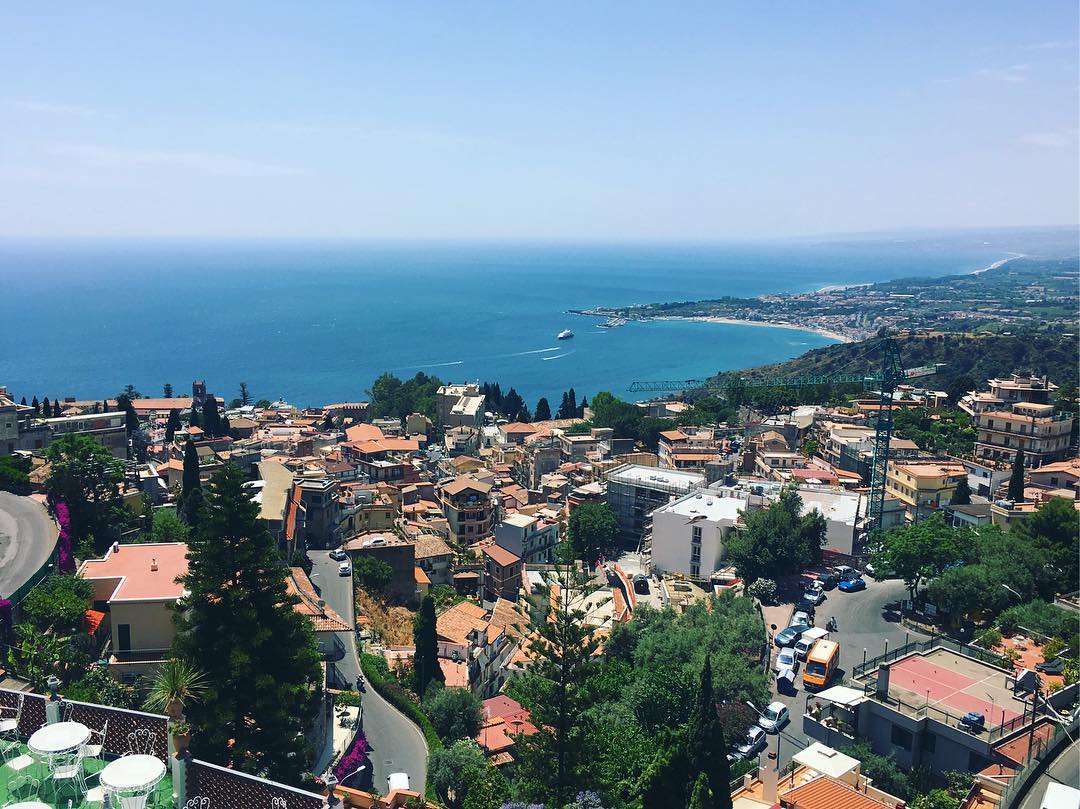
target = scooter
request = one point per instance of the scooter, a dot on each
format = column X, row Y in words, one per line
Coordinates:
column 360, row 684
column 831, row 625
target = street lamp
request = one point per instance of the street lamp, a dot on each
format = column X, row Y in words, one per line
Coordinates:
column 1011, row 590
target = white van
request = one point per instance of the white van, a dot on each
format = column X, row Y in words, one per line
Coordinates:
column 808, row 639
column 397, row 780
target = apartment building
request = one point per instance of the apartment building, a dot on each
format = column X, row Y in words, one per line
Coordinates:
column 468, row 507
column 635, row 491
column 502, row 573
column 677, row 449
column 460, row 405
column 474, row 648
column 1014, row 414
column 923, row 486
column 136, row 586
column 531, row 537
column 688, row 534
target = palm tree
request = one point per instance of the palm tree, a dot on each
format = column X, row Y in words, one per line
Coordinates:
column 174, row 685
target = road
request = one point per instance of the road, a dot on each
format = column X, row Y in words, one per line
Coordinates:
column 1065, row 769
column 396, row 743
column 27, row 538
column 864, row 622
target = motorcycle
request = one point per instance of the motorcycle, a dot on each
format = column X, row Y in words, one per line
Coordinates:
column 360, row 685
column 831, row 625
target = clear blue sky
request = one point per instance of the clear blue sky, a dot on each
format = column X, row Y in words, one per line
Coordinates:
column 535, row 120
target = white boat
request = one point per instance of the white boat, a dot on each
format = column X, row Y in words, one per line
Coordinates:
column 565, row 334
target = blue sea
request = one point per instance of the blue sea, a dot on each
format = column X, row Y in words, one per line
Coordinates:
column 316, row 323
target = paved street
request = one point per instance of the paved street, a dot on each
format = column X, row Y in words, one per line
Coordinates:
column 396, row 743
column 1064, row 770
column 27, row 537
column 864, row 622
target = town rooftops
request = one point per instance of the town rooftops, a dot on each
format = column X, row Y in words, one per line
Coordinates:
column 931, row 469
column 673, row 435
column 519, row 427
column 465, row 483
column 363, row 432
column 501, row 556
column 519, row 520
column 826, row 760
column 1069, row 467
column 322, row 616
column 704, row 505
column 428, row 547
column 652, row 476
column 455, row 624
column 143, row 572
column 373, row 539
column 825, row 793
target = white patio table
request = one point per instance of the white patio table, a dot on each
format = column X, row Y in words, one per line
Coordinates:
column 132, row 778
column 59, row 737
column 28, row 805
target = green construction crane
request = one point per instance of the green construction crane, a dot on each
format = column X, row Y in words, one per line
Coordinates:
column 890, row 374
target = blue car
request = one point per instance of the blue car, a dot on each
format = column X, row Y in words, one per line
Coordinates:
column 851, row 585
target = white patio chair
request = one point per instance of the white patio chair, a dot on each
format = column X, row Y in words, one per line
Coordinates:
column 141, row 742
column 63, row 713
column 201, row 802
column 20, row 762
column 67, row 773
column 279, row 803
column 23, row 787
column 93, row 748
column 10, row 717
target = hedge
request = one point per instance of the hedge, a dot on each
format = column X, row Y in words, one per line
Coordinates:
column 373, row 667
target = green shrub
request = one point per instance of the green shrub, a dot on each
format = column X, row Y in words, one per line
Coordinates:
column 1039, row 616
column 988, row 638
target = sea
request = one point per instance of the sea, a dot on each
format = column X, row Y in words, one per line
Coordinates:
column 314, row 323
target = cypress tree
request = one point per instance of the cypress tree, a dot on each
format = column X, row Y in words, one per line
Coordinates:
column 543, row 410
column 193, row 417
column 211, row 417
column 131, row 418
column 104, row 406
column 426, row 658
column 23, row 402
column 46, row 407
column 172, row 425
column 245, row 630
column 167, row 390
column 563, row 407
column 581, row 408
column 190, row 478
column 571, row 402
column 1016, row 480
column 56, row 411
column 36, row 405
column 245, row 396
column 962, row 494
column 705, row 741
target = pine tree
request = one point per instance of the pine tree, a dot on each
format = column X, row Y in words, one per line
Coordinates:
column 552, row 765
column 167, row 390
column 701, row 798
column 426, row 658
column 245, row 397
column 172, row 425
column 190, row 478
column 36, row 405
column 962, row 494
column 496, row 395
column 241, row 627
column 211, row 417
column 705, row 740
column 131, row 418
column 1016, row 480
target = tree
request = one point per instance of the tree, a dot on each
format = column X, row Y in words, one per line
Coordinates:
column 167, row 390
column 455, row 713
column 59, row 604
column 189, row 481
column 57, row 413
column 130, row 392
column 563, row 408
column 705, row 740
column 513, row 405
column 571, row 404
column 450, row 767
column 622, row 417
column 211, row 418
column 36, row 405
column 15, row 473
column 581, row 408
column 46, row 407
column 173, row 686
column 935, row 799
column 193, row 417
column 1016, row 479
column 960, row 387
column 245, row 396
column 778, row 539
column 426, row 658
column 923, row 550
column 131, row 418
column 172, row 425
column 551, row 764
column 485, row 789
column 239, row 625
column 1054, row 529
column 961, row 494
column 593, row 531
column 701, row 796
column 372, row 573
column 543, row 410
column 87, row 477
column 168, row 527
column 23, row 401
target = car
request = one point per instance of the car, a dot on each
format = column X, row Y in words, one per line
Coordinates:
column 828, row 580
column 774, row 717
column 845, row 573
column 851, row 585
column 641, row 584
column 338, row 555
column 786, row 659
column 755, row 742
column 801, row 617
column 814, row 595
column 789, row 636
column 397, row 780
column 802, row 605
column 344, row 569
column 880, row 571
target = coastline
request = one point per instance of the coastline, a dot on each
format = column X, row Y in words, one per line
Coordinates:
column 833, row 335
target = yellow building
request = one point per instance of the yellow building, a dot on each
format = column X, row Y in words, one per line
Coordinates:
column 923, row 486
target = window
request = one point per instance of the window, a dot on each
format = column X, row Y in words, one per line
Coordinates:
column 695, row 570
column 695, row 534
column 123, row 637
column 901, row 738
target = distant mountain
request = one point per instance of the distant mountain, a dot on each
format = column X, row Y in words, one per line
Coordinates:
column 978, row 356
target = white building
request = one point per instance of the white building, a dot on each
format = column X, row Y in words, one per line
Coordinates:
column 688, row 534
column 531, row 537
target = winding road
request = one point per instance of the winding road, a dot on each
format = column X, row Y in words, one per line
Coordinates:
column 397, row 745
column 27, row 539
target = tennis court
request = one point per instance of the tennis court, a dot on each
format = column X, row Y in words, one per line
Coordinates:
column 955, row 684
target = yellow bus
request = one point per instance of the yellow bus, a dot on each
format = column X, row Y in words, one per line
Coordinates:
column 821, row 663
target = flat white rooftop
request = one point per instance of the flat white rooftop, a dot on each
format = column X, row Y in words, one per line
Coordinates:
column 704, row 505
column 634, row 474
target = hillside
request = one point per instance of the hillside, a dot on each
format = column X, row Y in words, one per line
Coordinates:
column 977, row 356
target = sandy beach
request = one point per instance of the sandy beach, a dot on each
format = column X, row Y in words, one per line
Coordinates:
column 843, row 338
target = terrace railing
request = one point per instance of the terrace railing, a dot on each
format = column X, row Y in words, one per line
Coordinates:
column 939, row 642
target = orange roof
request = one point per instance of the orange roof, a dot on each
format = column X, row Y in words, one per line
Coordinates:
column 455, row 673
column 133, row 568
column 93, row 620
column 501, row 555
column 455, row 624
column 363, row 432
column 420, row 576
column 1072, row 465
column 825, row 793
column 323, row 617
column 518, row 427
column 673, row 435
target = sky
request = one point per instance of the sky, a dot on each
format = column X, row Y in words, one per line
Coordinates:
column 577, row 121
